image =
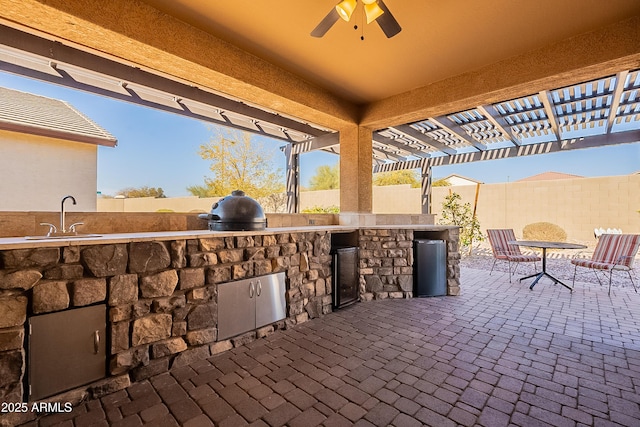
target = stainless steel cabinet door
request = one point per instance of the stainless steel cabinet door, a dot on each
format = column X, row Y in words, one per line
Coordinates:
column 271, row 305
column 236, row 308
column 66, row 350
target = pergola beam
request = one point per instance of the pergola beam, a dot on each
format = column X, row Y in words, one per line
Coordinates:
column 404, row 147
column 547, row 103
column 321, row 142
column 406, row 165
column 456, row 130
column 133, row 97
column 424, row 139
column 379, row 153
column 617, row 95
column 112, row 74
column 499, row 122
column 521, row 151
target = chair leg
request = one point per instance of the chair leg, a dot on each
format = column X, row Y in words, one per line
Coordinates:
column 494, row 264
column 595, row 273
column 631, row 278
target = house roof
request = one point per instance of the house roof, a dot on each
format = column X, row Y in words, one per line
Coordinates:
column 38, row 115
column 548, row 176
column 455, row 175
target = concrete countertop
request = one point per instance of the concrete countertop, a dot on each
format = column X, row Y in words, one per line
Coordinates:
column 22, row 243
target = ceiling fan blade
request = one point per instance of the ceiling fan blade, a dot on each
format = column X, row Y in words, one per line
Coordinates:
column 387, row 22
column 324, row 25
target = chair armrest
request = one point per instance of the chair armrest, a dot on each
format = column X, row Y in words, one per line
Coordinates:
column 621, row 261
column 583, row 254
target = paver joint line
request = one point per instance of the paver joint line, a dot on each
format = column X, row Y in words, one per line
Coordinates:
column 496, row 355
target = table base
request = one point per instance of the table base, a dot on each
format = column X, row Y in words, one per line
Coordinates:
column 544, row 246
column 539, row 275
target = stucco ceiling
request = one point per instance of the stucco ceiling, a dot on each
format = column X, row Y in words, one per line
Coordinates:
column 439, row 38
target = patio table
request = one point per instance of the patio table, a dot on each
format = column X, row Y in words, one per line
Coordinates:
column 544, row 246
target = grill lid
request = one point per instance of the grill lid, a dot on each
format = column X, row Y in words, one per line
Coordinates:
column 236, row 212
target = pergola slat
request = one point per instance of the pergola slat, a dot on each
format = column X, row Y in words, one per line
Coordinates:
column 523, row 150
column 404, row 147
column 424, row 139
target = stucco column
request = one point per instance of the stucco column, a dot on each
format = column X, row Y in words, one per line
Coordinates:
column 356, row 169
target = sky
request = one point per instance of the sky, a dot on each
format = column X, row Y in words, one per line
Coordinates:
column 160, row 149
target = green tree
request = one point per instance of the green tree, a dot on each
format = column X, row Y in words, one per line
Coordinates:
column 274, row 203
column 405, row 176
column 326, row 178
column 442, row 182
column 456, row 213
column 199, row 191
column 238, row 162
column 143, row 191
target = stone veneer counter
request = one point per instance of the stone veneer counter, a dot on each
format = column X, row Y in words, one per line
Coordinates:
column 22, row 243
column 160, row 289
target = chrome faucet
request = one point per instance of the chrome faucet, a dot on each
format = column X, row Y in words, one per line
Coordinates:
column 62, row 230
column 72, row 228
column 62, row 225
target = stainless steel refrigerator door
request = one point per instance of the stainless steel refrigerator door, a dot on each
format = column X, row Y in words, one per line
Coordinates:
column 430, row 268
column 271, row 304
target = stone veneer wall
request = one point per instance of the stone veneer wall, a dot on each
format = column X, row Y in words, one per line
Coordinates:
column 161, row 297
column 386, row 262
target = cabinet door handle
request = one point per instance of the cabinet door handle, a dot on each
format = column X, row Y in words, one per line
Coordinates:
column 252, row 289
column 96, row 342
column 259, row 287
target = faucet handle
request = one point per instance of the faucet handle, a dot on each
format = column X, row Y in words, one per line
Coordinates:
column 72, row 227
column 52, row 228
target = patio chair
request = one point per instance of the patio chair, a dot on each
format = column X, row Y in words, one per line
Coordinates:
column 613, row 252
column 506, row 252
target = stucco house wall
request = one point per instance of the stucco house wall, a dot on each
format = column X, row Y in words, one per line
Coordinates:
column 48, row 150
column 36, row 172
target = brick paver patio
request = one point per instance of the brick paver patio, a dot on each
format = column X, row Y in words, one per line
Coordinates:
column 497, row 355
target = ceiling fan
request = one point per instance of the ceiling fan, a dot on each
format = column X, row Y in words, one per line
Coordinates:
column 375, row 10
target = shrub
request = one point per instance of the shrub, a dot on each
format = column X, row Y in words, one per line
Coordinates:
column 544, row 231
column 456, row 213
column 322, row 209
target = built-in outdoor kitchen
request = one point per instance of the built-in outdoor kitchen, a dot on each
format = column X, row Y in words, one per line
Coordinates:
column 85, row 316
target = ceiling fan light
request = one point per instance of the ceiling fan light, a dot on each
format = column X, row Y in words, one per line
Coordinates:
column 373, row 11
column 345, row 9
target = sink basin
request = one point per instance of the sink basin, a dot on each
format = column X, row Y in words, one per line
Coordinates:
column 62, row 237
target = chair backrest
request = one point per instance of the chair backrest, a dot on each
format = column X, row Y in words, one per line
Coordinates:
column 606, row 248
column 498, row 239
column 628, row 245
column 618, row 249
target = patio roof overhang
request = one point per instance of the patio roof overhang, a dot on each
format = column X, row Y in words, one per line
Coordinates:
column 572, row 92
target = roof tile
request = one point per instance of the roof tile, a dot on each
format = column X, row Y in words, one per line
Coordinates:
column 29, row 113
